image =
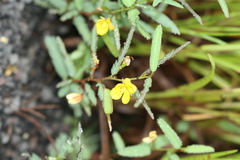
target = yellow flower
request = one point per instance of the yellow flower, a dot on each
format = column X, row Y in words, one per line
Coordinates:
column 74, row 98
column 124, row 90
column 103, row 25
column 151, row 137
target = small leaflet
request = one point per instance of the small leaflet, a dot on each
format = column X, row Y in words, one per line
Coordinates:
column 155, row 48
column 128, row 3
column 224, row 7
column 170, row 133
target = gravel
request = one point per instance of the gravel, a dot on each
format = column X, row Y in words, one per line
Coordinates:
column 25, row 80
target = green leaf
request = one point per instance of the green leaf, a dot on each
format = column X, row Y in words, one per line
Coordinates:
column 147, row 85
column 172, row 53
column 63, row 91
column 79, row 52
column 146, row 26
column 78, row 4
column 116, row 66
column 210, row 156
column 116, row 33
column 170, row 2
column 69, row 15
column 35, row 157
column 82, row 28
column 118, row 141
column 170, row 133
column 139, row 150
column 128, row 3
column 143, row 31
column 91, row 94
column 107, row 102
column 229, row 127
column 197, row 148
column 166, row 57
column 94, row 40
column 83, row 65
column 174, row 157
column 64, row 83
column 100, row 90
column 161, row 142
column 161, row 18
column 224, row 7
column 133, row 16
column 201, row 82
column 59, row 5
column 85, row 104
column 155, row 48
column 54, row 158
column 76, row 88
column 56, row 56
column 112, row 48
column 77, row 109
column 143, row 102
column 68, row 61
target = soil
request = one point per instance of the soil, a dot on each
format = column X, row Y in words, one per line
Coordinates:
column 29, row 107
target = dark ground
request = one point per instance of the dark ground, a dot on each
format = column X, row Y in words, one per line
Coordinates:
column 27, row 81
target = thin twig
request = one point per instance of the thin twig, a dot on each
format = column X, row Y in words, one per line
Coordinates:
column 46, row 106
column 104, row 134
column 38, row 125
column 32, row 111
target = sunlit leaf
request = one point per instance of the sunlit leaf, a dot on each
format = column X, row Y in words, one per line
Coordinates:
column 170, row 2
column 56, row 56
column 116, row 66
column 107, row 102
column 161, row 18
column 94, row 40
column 224, row 7
column 209, row 156
column 170, row 133
column 116, row 33
column 82, row 28
column 118, row 141
column 91, row 94
column 112, row 48
column 143, row 31
column 69, row 15
column 174, row 157
column 197, row 148
column 133, row 16
column 63, row 91
column 100, row 90
column 64, row 83
column 155, row 48
column 140, row 150
column 68, row 61
column 161, row 142
column 79, row 4
column 128, row 3
column 229, row 126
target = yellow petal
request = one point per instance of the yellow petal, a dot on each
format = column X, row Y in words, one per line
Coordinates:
column 126, row 97
column 102, row 26
column 110, row 25
column 130, row 87
column 74, row 98
column 117, row 91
